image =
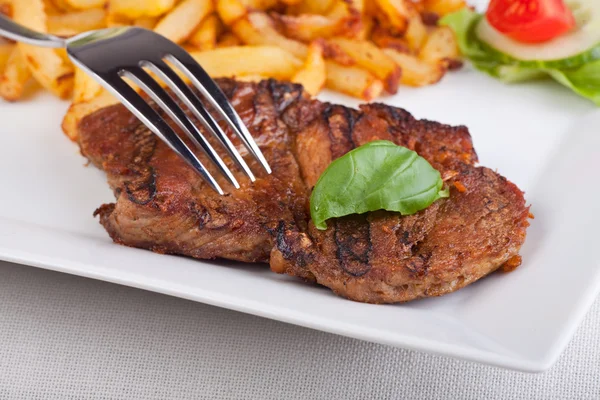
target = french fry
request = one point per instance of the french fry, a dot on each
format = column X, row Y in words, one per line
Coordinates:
column 371, row 58
column 396, row 11
column 205, row 36
column 249, row 60
column 85, row 87
column 416, row 72
column 366, row 28
column 229, row 40
column 230, row 10
column 385, row 39
column 314, row 73
column 308, row 27
column 259, row 4
column 146, row 22
column 116, row 20
column 257, row 28
column 47, row 67
column 441, row 47
column 352, row 81
column 358, row 5
column 416, row 32
column 15, row 76
column 6, row 8
column 133, row 9
column 78, row 111
column 348, row 16
column 6, row 50
column 311, row 7
column 182, row 20
column 60, row 5
column 443, row 7
column 86, row 4
column 76, row 22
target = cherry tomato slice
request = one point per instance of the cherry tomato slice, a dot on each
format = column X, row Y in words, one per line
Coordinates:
column 530, row 21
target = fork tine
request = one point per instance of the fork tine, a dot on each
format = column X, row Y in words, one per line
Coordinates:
column 211, row 91
column 191, row 100
column 149, row 117
column 166, row 102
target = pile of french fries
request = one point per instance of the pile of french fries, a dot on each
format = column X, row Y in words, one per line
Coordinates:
column 362, row 48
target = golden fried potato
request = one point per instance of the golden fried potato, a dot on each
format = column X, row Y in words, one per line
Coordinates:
column 58, row 5
column 47, row 67
column 308, row 27
column 6, row 50
column 205, row 36
column 182, row 20
column 133, row 9
column 348, row 16
column 228, row 40
column 416, row 32
column 257, row 28
column 384, row 39
column 441, row 47
column 416, row 72
column 371, row 58
column 352, row 81
column 146, row 22
column 78, row 111
column 290, row 2
column 443, row 7
column 75, row 22
column 14, row 77
column 230, row 10
column 358, row 47
column 311, row 7
column 314, row 72
column 397, row 13
column 85, row 87
column 86, row 4
column 249, row 60
column 6, row 8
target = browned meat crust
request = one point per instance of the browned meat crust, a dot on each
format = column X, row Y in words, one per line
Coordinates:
column 378, row 257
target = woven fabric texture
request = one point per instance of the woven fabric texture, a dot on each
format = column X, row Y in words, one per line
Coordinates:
column 66, row 337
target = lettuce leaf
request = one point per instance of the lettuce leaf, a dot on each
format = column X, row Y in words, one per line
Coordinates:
column 583, row 79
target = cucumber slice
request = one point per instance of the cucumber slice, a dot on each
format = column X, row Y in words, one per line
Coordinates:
column 578, row 47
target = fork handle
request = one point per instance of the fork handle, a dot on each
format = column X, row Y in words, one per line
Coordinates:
column 19, row 33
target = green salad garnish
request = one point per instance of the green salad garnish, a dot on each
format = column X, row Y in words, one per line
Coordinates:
column 580, row 72
column 379, row 175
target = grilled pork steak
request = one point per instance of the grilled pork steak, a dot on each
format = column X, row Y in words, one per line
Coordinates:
column 162, row 205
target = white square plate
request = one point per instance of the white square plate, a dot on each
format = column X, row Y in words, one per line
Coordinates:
column 538, row 135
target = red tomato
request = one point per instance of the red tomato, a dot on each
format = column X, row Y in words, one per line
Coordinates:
column 530, row 21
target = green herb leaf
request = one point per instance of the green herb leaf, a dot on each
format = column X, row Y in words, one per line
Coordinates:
column 379, row 175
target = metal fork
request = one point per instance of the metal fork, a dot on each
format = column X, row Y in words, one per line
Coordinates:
column 109, row 55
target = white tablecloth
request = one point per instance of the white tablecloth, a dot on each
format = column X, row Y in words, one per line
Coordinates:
column 64, row 337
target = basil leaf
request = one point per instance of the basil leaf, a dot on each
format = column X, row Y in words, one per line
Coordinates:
column 379, row 175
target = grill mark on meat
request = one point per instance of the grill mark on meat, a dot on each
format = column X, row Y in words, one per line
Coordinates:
column 141, row 188
column 284, row 95
column 292, row 246
column 352, row 237
column 202, row 215
column 340, row 123
column 229, row 87
column 282, row 245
